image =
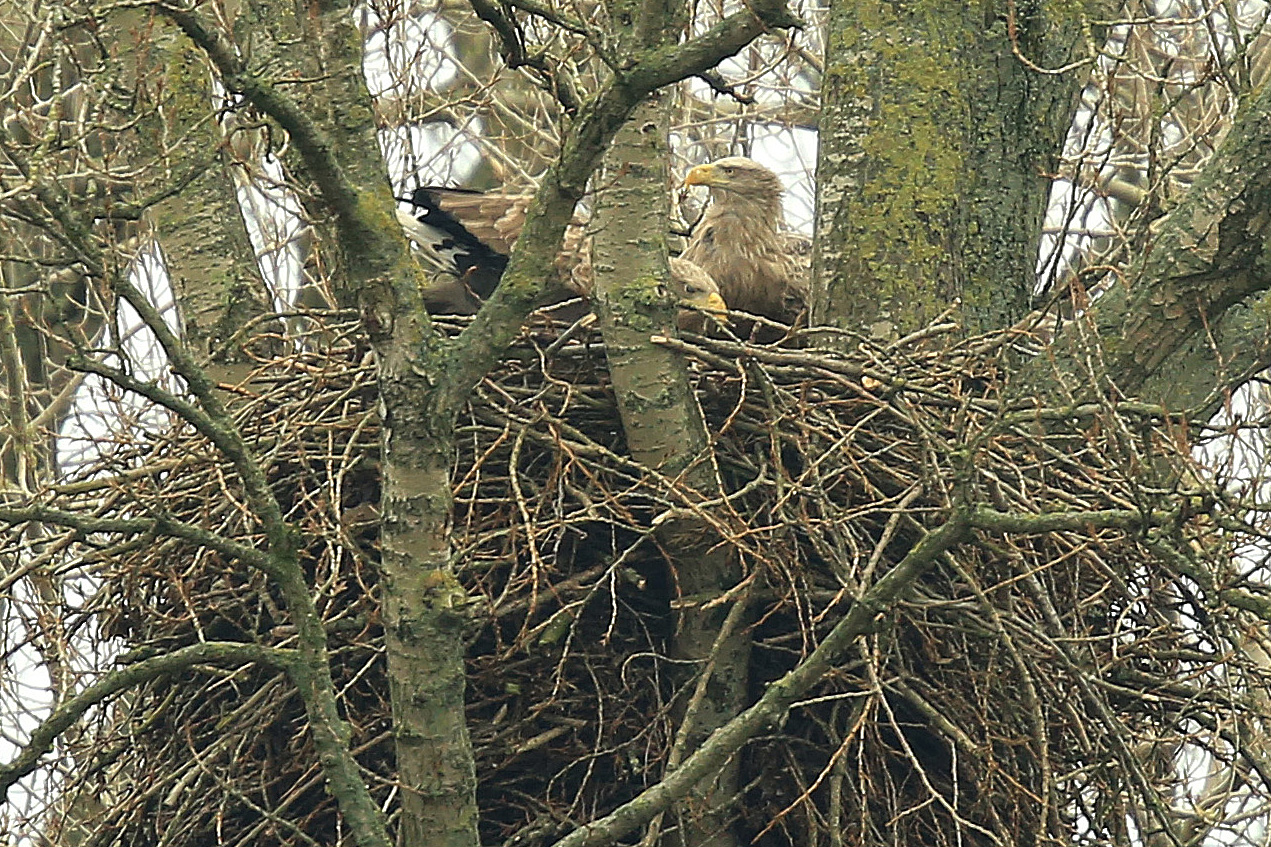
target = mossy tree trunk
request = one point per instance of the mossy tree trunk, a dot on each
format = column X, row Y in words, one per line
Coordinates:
column 1191, row 320
column 207, row 252
column 942, row 123
column 330, row 120
column 936, row 147
column 939, row 134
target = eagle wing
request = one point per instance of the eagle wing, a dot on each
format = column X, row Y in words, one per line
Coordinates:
column 495, row 220
column 470, row 234
column 466, row 237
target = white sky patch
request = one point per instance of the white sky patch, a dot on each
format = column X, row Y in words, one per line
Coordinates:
column 791, row 153
column 101, row 416
column 276, row 228
column 405, row 53
column 101, row 410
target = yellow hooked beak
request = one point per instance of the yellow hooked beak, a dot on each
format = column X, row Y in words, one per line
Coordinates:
column 701, row 175
column 716, row 306
column 712, row 304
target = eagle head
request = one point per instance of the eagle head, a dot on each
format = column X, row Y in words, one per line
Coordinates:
column 738, row 179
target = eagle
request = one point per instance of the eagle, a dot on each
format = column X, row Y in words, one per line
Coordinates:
column 466, row 236
column 740, row 241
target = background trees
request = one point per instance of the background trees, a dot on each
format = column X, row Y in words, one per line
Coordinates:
column 297, row 562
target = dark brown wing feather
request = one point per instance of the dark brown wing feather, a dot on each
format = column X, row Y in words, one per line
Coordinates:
column 476, row 231
column 494, row 219
column 479, row 231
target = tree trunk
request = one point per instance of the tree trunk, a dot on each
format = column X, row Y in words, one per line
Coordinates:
column 1187, row 322
column 936, row 148
column 424, row 606
column 207, row 253
column 665, row 432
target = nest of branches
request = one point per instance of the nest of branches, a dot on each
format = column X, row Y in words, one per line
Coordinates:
column 1036, row 675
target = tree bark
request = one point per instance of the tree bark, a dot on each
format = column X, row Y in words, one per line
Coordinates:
column 666, row 433
column 936, row 147
column 1211, row 254
column 424, row 606
column 1187, row 322
column 207, row 253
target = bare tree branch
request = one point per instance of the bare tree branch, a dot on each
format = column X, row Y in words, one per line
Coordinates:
column 44, row 736
column 861, row 619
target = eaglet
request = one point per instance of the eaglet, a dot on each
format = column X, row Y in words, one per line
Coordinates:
column 468, row 236
column 759, row 268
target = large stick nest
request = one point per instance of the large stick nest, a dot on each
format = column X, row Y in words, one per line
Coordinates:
column 1029, row 682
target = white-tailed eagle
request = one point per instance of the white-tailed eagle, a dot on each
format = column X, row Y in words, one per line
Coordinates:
column 741, row 242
